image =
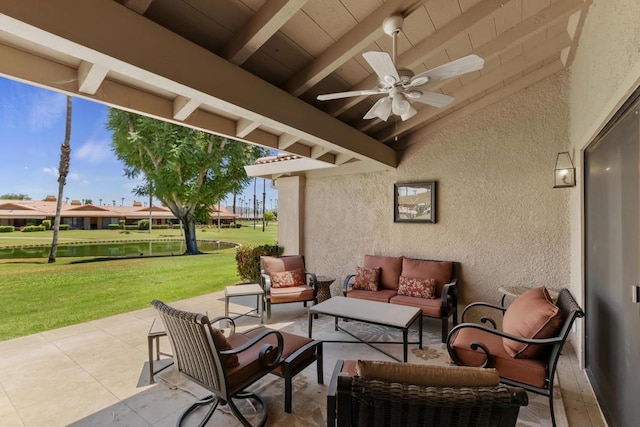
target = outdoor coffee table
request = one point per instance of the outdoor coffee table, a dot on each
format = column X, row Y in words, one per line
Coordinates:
column 373, row 312
column 244, row 290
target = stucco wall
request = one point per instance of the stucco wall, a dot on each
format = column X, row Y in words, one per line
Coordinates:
column 497, row 212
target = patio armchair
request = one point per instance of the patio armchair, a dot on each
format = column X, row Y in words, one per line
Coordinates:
column 226, row 366
column 526, row 351
column 285, row 279
column 384, row 394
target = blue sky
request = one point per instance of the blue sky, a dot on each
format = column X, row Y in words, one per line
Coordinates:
column 32, row 126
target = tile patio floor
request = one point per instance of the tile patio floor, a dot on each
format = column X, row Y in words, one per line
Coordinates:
column 95, row 373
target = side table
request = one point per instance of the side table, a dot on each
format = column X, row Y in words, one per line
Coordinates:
column 157, row 331
column 244, row 290
column 324, row 287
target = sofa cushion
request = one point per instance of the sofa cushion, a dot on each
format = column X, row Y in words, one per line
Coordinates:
column 383, row 295
column 429, row 307
column 417, row 287
column 427, row 375
column 532, row 315
column 367, row 279
column 438, row 270
column 272, row 264
column 285, row 279
column 390, row 268
column 529, row 371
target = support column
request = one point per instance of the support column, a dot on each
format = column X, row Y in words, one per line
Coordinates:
column 291, row 214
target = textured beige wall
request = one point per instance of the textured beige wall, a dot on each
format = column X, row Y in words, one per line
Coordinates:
column 497, row 212
column 605, row 71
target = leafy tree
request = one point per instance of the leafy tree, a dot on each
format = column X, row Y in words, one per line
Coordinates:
column 14, row 196
column 63, row 171
column 269, row 216
column 188, row 169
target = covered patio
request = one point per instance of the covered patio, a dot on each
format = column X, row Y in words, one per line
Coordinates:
column 96, row 374
column 555, row 73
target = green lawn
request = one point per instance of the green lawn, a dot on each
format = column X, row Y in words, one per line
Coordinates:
column 37, row 296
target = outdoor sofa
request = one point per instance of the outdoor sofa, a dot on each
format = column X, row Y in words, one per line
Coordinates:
column 430, row 285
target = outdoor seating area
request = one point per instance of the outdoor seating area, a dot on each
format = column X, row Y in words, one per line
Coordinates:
column 101, row 375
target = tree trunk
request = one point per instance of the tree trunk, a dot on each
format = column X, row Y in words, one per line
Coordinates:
column 65, row 156
column 186, row 218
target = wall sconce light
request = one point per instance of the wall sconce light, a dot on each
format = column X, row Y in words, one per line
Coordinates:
column 565, row 171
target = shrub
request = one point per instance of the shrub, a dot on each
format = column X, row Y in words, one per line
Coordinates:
column 114, row 227
column 47, row 224
column 160, row 227
column 32, row 228
column 143, row 224
column 7, row 228
column 63, row 227
column 121, row 224
column 238, row 225
column 248, row 260
column 131, row 227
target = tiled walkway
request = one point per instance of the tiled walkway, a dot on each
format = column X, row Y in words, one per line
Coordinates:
column 95, row 373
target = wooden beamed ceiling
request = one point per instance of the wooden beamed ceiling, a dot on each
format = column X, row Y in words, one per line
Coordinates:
column 251, row 69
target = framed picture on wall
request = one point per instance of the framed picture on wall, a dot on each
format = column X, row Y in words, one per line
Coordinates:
column 415, row 202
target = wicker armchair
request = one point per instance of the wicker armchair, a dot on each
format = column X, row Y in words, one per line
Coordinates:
column 354, row 400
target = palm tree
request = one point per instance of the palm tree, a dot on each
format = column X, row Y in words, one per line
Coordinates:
column 63, row 171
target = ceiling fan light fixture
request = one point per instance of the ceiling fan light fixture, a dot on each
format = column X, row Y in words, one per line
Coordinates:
column 406, row 116
column 413, row 94
column 390, row 80
column 383, row 111
column 400, row 105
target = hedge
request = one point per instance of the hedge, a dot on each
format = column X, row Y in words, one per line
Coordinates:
column 248, row 260
column 7, row 228
column 31, row 228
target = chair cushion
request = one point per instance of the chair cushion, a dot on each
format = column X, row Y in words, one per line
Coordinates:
column 272, row 264
column 367, row 279
column 390, row 268
column 528, row 371
column 221, row 343
column 439, row 270
column 291, row 343
column 286, row 279
column 532, row 315
column 383, row 295
column 427, row 375
column 430, row 307
column 416, row 287
column 291, row 294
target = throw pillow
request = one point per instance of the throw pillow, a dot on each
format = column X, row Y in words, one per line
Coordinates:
column 286, row 279
column 532, row 315
column 367, row 279
column 222, row 344
column 416, row 287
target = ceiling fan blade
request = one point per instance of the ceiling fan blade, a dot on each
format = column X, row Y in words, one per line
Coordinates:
column 338, row 95
column 383, row 66
column 464, row 65
column 381, row 109
column 433, row 98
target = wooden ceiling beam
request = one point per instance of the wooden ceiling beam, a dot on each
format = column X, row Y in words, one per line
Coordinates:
column 349, row 45
column 90, row 77
column 48, row 25
column 477, row 86
column 263, row 24
column 183, row 107
column 138, row 6
column 244, row 127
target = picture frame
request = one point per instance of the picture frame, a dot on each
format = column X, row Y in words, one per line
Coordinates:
column 415, row 202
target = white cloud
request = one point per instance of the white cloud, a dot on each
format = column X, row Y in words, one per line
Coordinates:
column 93, row 152
column 51, row 172
column 45, row 109
column 73, row 176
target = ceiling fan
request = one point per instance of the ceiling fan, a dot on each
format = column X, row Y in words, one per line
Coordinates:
column 401, row 85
